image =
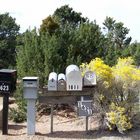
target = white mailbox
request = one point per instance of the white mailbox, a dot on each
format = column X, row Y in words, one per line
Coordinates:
column 73, row 78
column 30, row 87
column 61, row 82
column 89, row 78
column 52, row 82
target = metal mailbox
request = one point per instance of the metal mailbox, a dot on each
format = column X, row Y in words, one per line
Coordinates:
column 52, row 82
column 61, row 85
column 30, row 87
column 8, row 80
column 73, row 78
column 89, row 78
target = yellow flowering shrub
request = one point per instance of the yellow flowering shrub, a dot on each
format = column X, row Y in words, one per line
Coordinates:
column 117, row 89
column 103, row 71
column 117, row 118
column 125, row 70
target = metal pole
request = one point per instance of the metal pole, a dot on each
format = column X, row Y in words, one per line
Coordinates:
column 51, row 118
column 31, row 116
column 5, row 114
column 86, row 124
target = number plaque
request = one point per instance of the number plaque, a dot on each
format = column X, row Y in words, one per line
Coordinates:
column 85, row 108
column 5, row 87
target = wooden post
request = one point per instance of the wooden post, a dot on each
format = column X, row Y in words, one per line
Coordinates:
column 86, row 124
column 5, row 114
column 51, row 118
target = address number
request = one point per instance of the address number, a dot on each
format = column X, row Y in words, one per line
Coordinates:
column 4, row 87
column 90, row 75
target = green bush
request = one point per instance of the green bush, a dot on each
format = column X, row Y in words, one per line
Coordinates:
column 19, row 114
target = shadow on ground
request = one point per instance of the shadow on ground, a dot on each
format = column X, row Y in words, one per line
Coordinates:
column 133, row 134
column 16, row 127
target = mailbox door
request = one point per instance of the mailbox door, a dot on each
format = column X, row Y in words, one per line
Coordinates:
column 74, row 81
column 52, row 85
column 30, row 93
column 61, row 85
column 89, row 78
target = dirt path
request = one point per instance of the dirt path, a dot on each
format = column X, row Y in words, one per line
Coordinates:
column 65, row 129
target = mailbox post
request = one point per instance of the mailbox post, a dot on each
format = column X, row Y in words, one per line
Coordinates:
column 7, row 86
column 30, row 88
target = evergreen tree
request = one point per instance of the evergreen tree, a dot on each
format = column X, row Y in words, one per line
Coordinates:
column 30, row 56
column 49, row 25
column 8, row 32
column 135, row 48
column 87, row 43
column 116, row 35
column 66, row 15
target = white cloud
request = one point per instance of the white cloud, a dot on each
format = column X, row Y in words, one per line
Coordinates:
column 32, row 12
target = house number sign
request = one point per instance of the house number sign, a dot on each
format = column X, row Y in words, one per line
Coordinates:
column 4, row 86
column 85, row 108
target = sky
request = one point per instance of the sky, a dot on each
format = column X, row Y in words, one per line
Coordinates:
column 30, row 13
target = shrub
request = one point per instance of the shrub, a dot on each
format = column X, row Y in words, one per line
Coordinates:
column 18, row 114
column 117, row 91
column 118, row 118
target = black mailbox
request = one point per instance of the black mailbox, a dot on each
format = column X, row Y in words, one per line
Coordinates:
column 7, row 81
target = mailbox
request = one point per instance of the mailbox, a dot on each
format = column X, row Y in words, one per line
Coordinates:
column 89, row 78
column 30, row 87
column 73, row 78
column 8, row 80
column 52, row 82
column 61, row 85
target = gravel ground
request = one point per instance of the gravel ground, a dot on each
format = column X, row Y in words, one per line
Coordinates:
column 65, row 129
